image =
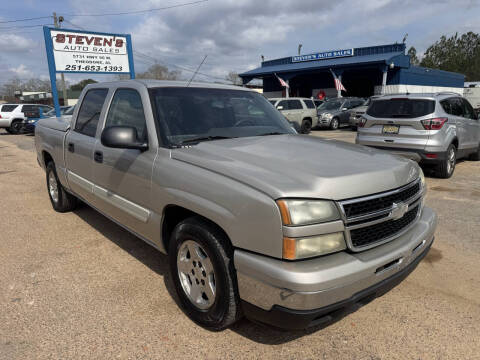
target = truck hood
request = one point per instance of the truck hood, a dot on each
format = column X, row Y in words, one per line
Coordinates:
column 301, row 166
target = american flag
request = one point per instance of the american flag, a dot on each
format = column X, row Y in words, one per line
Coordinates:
column 282, row 82
column 338, row 83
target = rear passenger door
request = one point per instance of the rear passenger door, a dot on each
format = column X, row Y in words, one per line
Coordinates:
column 457, row 110
column 473, row 128
column 122, row 177
column 80, row 143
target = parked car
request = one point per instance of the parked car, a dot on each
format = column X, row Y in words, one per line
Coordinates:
column 299, row 110
column 334, row 113
column 52, row 113
column 252, row 223
column 357, row 112
column 12, row 115
column 433, row 129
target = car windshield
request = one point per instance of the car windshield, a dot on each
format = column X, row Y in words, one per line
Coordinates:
column 189, row 115
column 331, row 105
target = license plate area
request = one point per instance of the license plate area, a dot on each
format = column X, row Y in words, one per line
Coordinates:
column 390, row 129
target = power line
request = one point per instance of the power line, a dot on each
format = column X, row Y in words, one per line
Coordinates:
column 141, row 11
column 26, row 19
column 22, row 27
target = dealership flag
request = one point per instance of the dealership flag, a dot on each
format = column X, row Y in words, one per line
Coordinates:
column 338, row 83
column 282, row 82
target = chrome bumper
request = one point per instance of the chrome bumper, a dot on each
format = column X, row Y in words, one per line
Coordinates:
column 316, row 283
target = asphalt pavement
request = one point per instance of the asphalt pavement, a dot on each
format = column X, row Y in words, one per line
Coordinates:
column 77, row 286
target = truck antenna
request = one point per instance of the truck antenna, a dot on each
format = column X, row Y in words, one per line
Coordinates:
column 196, row 71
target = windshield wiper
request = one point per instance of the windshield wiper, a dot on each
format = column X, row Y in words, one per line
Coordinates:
column 205, row 138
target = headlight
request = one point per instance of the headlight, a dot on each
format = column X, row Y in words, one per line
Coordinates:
column 422, row 177
column 301, row 248
column 304, row 212
column 327, row 116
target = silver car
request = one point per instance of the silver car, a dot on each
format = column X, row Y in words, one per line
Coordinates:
column 357, row 113
column 433, row 129
column 334, row 113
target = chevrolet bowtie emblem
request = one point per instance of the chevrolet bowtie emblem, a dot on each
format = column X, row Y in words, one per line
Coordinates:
column 398, row 210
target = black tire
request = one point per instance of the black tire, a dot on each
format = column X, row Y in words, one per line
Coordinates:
column 15, row 127
column 446, row 167
column 225, row 309
column 334, row 123
column 476, row 155
column 64, row 201
column 306, row 126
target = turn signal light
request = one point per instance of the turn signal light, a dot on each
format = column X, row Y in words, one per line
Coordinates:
column 434, row 124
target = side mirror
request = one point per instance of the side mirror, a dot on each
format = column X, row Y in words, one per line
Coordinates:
column 122, row 137
column 280, row 107
column 344, row 109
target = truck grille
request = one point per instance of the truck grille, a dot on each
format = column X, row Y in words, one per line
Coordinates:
column 375, row 219
column 371, row 234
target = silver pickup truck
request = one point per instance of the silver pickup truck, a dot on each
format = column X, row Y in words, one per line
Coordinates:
column 253, row 224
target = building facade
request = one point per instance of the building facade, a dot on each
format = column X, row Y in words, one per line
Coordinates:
column 365, row 71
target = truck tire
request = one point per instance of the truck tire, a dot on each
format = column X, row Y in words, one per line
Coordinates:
column 306, row 126
column 446, row 167
column 202, row 271
column 15, row 127
column 476, row 155
column 334, row 124
column 61, row 200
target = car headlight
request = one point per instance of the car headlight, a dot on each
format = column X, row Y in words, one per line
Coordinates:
column 422, row 177
column 302, row 248
column 304, row 212
column 327, row 116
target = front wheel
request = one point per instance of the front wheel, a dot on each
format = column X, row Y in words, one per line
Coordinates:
column 446, row 167
column 334, row 124
column 61, row 200
column 202, row 271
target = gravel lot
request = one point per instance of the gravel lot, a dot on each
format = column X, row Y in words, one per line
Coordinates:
column 77, row 286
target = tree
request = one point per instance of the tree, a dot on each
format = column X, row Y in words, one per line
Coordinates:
column 456, row 53
column 234, row 78
column 413, row 56
column 80, row 85
column 9, row 88
column 159, row 72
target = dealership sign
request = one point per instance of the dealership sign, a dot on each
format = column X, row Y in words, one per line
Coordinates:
column 73, row 51
column 323, row 55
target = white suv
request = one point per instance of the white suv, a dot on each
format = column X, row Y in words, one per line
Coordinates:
column 299, row 110
column 12, row 115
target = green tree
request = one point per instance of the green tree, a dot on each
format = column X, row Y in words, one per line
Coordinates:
column 456, row 53
column 80, row 85
column 413, row 56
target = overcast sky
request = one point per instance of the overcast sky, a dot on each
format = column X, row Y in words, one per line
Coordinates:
column 234, row 33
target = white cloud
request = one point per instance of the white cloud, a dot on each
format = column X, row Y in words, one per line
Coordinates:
column 21, row 71
column 12, row 43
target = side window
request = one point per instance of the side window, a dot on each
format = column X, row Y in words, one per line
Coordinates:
column 347, row 104
column 283, row 103
column 447, row 106
column 127, row 110
column 309, row 104
column 90, row 109
column 294, row 105
column 468, row 110
column 456, row 107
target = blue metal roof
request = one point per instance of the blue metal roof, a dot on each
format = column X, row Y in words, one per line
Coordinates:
column 398, row 58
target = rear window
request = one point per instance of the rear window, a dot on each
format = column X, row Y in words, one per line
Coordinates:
column 401, row 108
column 8, row 108
column 310, row 104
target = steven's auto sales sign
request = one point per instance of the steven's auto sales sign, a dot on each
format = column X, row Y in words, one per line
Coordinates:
column 89, row 52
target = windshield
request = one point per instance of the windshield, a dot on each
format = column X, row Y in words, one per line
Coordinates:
column 331, row 105
column 187, row 114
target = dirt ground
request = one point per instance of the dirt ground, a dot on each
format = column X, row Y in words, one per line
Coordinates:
column 77, row 286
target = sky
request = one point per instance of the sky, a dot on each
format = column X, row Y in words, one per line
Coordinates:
column 233, row 33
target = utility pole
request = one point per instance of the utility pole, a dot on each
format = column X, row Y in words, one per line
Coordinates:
column 56, row 23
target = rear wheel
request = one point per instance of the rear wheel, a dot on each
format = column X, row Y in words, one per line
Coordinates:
column 306, row 126
column 334, row 124
column 201, row 267
column 15, row 127
column 61, row 200
column 446, row 168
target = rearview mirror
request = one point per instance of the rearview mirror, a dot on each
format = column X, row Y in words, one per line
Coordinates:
column 122, row 137
column 280, row 107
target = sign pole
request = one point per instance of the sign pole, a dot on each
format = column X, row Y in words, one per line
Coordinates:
column 51, row 69
column 130, row 56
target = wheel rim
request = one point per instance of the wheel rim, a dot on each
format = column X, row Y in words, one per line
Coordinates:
column 16, row 126
column 451, row 161
column 334, row 123
column 196, row 274
column 53, row 186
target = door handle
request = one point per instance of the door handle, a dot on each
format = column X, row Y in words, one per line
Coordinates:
column 71, row 147
column 98, row 156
